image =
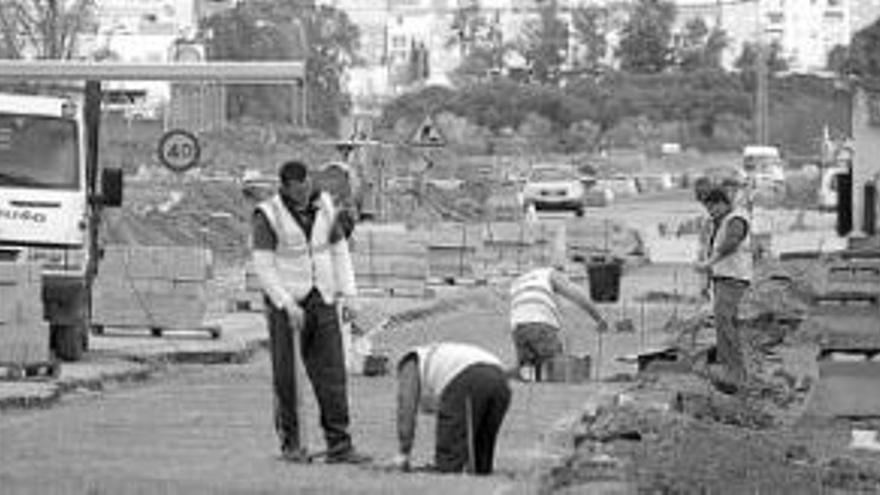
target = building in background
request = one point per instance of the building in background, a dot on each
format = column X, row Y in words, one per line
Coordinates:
column 147, row 31
column 806, row 30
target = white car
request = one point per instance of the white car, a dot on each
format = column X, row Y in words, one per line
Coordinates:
column 554, row 187
column 828, row 188
column 764, row 166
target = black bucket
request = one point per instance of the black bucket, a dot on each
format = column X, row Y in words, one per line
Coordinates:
column 603, row 275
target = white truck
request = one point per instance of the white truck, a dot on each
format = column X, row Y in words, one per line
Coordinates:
column 50, row 202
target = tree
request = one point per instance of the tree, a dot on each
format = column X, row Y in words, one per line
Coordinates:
column 701, row 47
column 44, row 29
column 494, row 105
column 646, row 38
column 413, row 106
column 277, row 30
column 479, row 40
column 605, row 101
column 748, row 59
column 544, row 44
column 591, row 28
column 865, row 51
column 840, row 60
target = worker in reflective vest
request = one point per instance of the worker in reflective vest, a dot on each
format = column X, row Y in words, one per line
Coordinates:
column 302, row 259
column 467, row 387
column 535, row 318
column 730, row 267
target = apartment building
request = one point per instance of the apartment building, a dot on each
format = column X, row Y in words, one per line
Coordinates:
column 806, row 30
column 147, row 31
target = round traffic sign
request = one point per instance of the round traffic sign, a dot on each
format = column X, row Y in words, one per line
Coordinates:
column 179, row 150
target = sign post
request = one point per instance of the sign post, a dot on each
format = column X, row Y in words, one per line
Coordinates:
column 429, row 137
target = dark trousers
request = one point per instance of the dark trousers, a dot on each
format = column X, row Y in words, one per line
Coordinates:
column 483, row 389
column 733, row 349
column 324, row 362
column 536, row 344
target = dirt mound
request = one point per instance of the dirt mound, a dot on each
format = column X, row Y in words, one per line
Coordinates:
column 193, row 213
column 668, row 452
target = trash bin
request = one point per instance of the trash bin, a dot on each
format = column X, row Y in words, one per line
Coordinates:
column 603, row 275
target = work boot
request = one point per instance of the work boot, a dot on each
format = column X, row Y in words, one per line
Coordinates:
column 348, row 456
column 295, row 455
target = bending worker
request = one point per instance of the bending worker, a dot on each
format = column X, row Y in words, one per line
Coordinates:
column 729, row 266
column 468, row 389
column 535, row 318
column 302, row 260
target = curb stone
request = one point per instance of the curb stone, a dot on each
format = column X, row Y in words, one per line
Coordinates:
column 43, row 394
column 122, row 367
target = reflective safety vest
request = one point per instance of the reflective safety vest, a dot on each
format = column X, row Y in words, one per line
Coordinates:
column 440, row 363
column 306, row 263
column 739, row 264
column 532, row 299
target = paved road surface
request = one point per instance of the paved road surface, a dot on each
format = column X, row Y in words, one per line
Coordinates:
column 208, row 429
column 204, row 429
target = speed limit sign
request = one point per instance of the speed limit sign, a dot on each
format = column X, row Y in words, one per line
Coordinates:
column 179, row 150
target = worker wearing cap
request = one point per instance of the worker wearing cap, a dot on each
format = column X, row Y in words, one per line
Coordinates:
column 302, row 259
column 467, row 387
column 729, row 266
column 535, row 319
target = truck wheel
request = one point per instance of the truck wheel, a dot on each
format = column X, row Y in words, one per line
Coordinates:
column 579, row 212
column 68, row 341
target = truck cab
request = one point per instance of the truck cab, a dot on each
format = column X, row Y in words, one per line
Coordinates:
column 50, row 204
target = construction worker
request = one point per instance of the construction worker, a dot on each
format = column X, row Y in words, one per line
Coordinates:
column 729, row 266
column 702, row 186
column 467, row 387
column 302, row 260
column 534, row 315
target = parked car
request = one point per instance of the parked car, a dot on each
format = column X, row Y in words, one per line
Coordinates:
column 554, row 187
column 828, row 188
column 764, row 165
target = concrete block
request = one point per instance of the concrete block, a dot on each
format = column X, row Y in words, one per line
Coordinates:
column 847, row 389
column 659, row 400
column 568, row 369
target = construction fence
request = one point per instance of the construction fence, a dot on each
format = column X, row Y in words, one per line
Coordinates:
column 159, row 288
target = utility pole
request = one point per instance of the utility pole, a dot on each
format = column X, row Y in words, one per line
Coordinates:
column 761, row 75
column 51, row 45
column 761, row 97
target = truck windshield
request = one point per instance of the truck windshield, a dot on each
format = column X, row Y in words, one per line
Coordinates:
column 37, row 151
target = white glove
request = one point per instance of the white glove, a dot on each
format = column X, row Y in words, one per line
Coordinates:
column 295, row 315
column 264, row 267
column 401, row 462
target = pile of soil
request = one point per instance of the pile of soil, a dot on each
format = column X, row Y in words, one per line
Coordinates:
column 668, row 452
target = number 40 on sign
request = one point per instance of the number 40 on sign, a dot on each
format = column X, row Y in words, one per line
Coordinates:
column 179, row 150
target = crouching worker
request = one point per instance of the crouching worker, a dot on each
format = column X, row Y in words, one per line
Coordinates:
column 467, row 387
column 535, row 319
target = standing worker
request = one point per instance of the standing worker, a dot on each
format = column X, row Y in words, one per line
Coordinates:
column 302, row 260
column 534, row 315
column 468, row 389
column 729, row 267
column 702, row 187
